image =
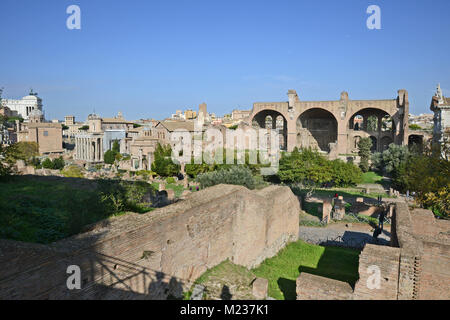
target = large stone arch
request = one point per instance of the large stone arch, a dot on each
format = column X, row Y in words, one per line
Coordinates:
column 317, row 128
column 385, row 142
column 417, row 140
column 271, row 120
column 366, row 113
column 372, row 125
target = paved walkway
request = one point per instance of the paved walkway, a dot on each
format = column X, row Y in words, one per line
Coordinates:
column 341, row 237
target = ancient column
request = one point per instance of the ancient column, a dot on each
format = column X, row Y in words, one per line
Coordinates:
column 101, row 149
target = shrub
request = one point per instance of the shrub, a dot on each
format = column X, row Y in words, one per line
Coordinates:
column 390, row 160
column 8, row 158
column 26, row 150
column 364, row 146
column 109, row 157
column 163, row 164
column 415, row 127
column 56, row 164
column 72, row 171
column 170, row 180
column 345, row 174
column 236, row 175
column 429, row 177
column 309, row 167
column 47, row 163
column 35, row 162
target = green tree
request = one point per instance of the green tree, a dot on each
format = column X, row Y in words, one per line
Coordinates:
column 58, row 163
column 114, row 154
column 162, row 163
column 429, row 177
column 390, row 160
column 364, row 146
column 8, row 157
column 308, row 167
column 47, row 164
column 415, row 127
column 236, row 175
column 109, row 157
column 372, row 123
column 26, row 150
column 116, row 147
column 304, row 166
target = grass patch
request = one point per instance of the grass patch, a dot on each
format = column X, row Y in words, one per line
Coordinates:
column 47, row 209
column 349, row 193
column 219, row 279
column 312, row 208
column 178, row 189
column 371, row 177
column 283, row 270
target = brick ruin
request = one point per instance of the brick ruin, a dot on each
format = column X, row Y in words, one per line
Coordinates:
column 415, row 267
column 335, row 127
column 155, row 255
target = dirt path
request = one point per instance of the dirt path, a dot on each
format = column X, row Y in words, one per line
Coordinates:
column 354, row 236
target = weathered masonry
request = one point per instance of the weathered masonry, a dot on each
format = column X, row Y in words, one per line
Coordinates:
column 152, row 256
column 415, row 267
column 335, row 127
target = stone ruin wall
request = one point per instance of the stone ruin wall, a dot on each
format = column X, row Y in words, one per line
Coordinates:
column 153, row 255
column 415, row 267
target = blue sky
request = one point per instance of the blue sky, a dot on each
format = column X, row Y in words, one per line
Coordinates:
column 149, row 58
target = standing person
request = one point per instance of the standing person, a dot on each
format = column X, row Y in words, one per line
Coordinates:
column 381, row 218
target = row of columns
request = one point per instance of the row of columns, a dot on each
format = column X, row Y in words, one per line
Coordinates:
column 89, row 149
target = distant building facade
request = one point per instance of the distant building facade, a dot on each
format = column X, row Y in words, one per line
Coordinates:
column 46, row 134
column 91, row 144
column 23, row 107
column 440, row 105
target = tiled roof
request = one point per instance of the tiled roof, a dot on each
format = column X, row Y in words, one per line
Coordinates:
column 173, row 125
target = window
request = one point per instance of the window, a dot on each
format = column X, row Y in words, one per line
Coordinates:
column 45, row 133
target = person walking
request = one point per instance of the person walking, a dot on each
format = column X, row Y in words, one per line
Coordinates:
column 381, row 219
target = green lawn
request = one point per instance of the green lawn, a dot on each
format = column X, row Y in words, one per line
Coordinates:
column 178, row 189
column 347, row 192
column 371, row 177
column 47, row 209
column 312, row 208
column 283, row 269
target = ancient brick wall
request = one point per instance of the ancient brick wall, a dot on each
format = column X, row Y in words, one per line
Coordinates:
column 416, row 266
column 425, row 254
column 375, row 260
column 312, row 287
column 155, row 254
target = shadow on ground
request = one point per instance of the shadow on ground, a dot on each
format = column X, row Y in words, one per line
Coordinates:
column 334, row 263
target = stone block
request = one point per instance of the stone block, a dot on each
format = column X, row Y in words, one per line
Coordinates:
column 170, row 194
column 339, row 209
column 197, row 292
column 185, row 194
column 260, row 287
column 326, row 210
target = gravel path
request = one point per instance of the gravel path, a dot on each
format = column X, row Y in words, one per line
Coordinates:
column 342, row 238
